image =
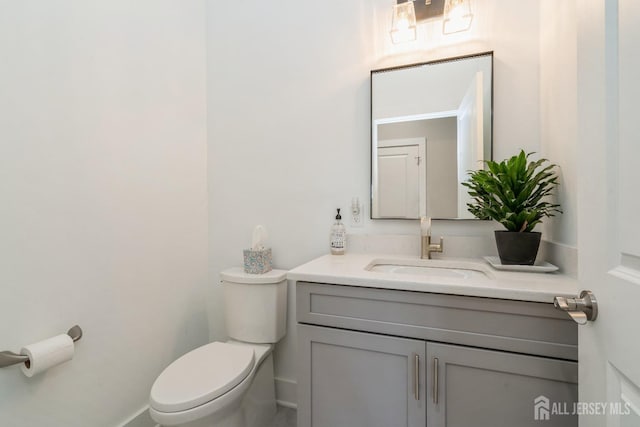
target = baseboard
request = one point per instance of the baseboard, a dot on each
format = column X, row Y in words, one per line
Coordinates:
column 140, row 419
column 286, row 393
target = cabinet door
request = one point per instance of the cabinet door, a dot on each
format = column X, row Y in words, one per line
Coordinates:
column 354, row 379
column 484, row 388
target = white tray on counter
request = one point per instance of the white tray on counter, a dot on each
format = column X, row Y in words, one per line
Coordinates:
column 538, row 267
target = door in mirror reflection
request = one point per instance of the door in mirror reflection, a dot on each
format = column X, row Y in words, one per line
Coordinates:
column 401, row 171
column 431, row 124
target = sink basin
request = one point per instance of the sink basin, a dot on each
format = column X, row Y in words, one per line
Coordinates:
column 431, row 268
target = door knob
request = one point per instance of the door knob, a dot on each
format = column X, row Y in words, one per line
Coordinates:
column 580, row 309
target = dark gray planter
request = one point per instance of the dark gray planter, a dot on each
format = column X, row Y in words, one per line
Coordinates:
column 517, row 248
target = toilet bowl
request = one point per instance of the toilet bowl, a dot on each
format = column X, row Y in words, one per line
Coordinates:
column 229, row 384
column 206, row 386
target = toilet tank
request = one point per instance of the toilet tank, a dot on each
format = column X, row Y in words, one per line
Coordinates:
column 255, row 305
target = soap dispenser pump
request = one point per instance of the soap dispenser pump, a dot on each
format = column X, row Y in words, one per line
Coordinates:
column 338, row 238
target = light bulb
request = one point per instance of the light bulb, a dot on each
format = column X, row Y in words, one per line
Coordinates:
column 403, row 25
column 457, row 16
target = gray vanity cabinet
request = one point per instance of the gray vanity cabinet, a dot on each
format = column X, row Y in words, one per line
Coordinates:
column 353, row 379
column 484, row 388
column 386, row 358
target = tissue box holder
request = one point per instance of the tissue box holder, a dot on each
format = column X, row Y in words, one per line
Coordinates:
column 257, row 262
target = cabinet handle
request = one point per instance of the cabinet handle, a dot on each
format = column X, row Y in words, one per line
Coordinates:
column 435, row 380
column 416, row 377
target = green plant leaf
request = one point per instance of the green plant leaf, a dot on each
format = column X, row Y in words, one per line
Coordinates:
column 513, row 192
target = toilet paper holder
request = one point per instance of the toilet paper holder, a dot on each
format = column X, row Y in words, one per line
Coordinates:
column 8, row 358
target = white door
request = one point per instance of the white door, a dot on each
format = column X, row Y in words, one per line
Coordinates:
column 609, row 206
column 398, row 182
column 400, row 179
column 470, row 139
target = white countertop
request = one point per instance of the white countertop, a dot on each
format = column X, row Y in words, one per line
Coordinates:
column 350, row 269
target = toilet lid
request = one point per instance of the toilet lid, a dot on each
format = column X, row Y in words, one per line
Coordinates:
column 200, row 376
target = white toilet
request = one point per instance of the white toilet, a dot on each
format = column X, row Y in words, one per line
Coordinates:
column 229, row 384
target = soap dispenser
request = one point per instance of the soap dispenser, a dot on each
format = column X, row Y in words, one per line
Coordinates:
column 338, row 236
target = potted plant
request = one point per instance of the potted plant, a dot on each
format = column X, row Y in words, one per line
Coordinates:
column 514, row 192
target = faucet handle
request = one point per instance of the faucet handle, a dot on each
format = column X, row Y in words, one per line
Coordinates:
column 436, row 247
column 427, row 247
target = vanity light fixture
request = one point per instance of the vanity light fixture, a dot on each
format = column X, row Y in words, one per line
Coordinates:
column 403, row 25
column 457, row 16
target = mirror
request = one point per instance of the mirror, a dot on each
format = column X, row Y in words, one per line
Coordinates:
column 430, row 124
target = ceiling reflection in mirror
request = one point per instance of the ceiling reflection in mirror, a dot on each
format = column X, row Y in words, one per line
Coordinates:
column 431, row 123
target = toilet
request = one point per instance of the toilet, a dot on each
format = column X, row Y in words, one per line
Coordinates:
column 229, row 384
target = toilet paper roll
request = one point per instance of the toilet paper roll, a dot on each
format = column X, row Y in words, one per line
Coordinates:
column 46, row 354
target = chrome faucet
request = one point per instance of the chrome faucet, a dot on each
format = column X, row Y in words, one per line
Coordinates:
column 426, row 247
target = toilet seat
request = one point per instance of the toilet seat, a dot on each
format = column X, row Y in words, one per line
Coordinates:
column 221, row 403
column 201, row 376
